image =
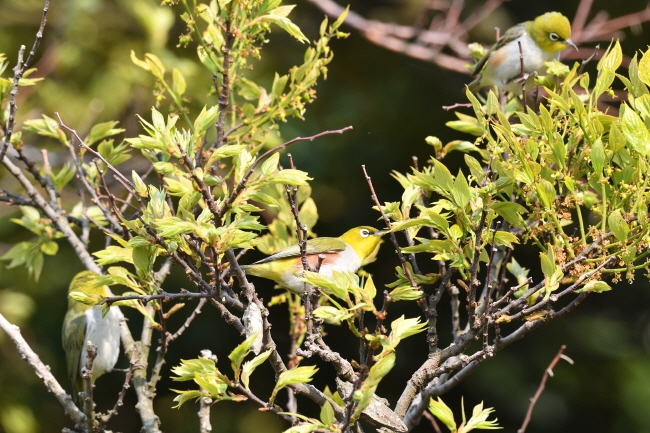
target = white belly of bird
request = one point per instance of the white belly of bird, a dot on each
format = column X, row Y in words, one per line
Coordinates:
column 105, row 335
column 347, row 260
column 534, row 63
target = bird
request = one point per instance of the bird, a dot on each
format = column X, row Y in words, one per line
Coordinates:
column 541, row 39
column 83, row 323
column 345, row 253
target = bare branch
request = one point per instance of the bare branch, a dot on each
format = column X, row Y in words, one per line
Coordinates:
column 242, row 183
column 548, row 372
column 42, row 371
column 393, row 239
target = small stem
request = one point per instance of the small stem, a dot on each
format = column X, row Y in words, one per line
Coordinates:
column 393, row 239
column 548, row 372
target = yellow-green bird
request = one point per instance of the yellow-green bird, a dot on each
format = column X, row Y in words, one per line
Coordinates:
column 541, row 41
column 83, row 323
column 345, row 253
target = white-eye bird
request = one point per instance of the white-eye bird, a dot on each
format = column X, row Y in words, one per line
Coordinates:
column 83, row 323
column 541, row 41
column 345, row 253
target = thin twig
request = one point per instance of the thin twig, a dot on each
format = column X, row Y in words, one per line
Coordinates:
column 242, row 183
column 548, row 372
column 119, row 176
column 19, row 71
column 393, row 239
column 42, row 371
column 188, row 321
column 88, row 404
column 120, row 398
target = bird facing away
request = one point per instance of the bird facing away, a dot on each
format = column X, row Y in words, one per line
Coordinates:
column 345, row 253
column 541, row 41
column 83, row 323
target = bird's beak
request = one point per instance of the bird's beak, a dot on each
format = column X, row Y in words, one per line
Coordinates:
column 381, row 232
column 570, row 43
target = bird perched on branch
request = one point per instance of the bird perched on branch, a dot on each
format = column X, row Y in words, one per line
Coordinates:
column 541, row 41
column 345, row 253
column 84, row 322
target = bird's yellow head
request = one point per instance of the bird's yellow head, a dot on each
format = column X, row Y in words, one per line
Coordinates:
column 85, row 292
column 551, row 32
column 364, row 240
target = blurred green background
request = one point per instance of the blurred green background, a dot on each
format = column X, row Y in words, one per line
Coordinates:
column 393, row 102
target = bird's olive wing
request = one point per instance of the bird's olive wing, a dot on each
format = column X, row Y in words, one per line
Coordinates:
column 73, row 340
column 510, row 35
column 314, row 246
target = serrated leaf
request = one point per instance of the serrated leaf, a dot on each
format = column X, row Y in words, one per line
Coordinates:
column 101, row 131
column 440, row 410
column 113, row 254
column 503, row 238
column 293, row 376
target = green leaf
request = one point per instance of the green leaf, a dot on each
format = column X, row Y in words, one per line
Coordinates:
column 336, row 24
column 143, row 258
column 309, row 213
column 139, row 185
column 598, row 156
column 595, row 286
column 101, row 131
column 618, row 225
column 606, row 68
column 293, row 376
column 288, row 26
column 506, row 239
column 402, row 327
column 113, row 254
column 479, row 420
column 178, row 82
column 63, row 176
column 327, row 413
column 205, row 120
column 332, row 315
column 441, row 411
column 405, row 293
column 548, row 261
column 546, row 193
column 302, row 428
column 466, row 124
column 461, row 192
column 644, row 68
column 511, row 212
column 239, row 353
column 635, row 131
column 288, row 177
column 377, row 372
column 270, row 166
column 250, row 366
column 279, row 83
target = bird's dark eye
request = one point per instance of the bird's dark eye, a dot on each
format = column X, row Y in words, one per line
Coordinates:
column 553, row 37
column 364, row 233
